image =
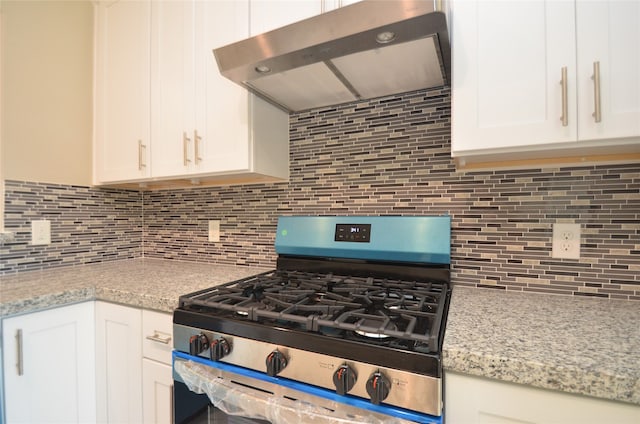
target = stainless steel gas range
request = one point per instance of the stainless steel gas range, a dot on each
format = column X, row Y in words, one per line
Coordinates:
column 347, row 328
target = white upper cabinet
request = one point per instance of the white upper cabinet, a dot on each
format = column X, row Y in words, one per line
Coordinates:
column 523, row 75
column 203, row 127
column 122, row 91
column 267, row 15
column 173, row 80
column 328, row 5
column 608, row 34
column 507, row 64
column 200, row 119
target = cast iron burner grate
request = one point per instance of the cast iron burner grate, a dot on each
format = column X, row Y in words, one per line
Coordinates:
column 374, row 310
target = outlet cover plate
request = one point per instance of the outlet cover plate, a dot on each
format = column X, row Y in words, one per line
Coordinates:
column 566, row 241
column 40, row 232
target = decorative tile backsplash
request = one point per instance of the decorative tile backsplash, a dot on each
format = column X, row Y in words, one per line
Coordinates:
column 391, row 156
column 87, row 225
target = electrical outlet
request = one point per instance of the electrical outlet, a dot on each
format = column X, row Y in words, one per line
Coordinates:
column 214, row 231
column 566, row 241
column 40, row 232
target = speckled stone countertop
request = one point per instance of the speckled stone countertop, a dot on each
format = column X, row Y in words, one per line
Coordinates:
column 578, row 345
column 146, row 283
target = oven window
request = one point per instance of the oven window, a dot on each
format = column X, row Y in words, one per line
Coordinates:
column 192, row 408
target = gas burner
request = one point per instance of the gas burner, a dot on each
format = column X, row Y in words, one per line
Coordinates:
column 370, row 335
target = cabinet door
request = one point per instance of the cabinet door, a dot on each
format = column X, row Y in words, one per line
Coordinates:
column 157, row 383
column 608, row 32
column 173, row 87
column 56, row 350
column 328, row 5
column 118, row 363
column 122, row 91
column 475, row 400
column 222, row 107
column 507, row 65
column 267, row 15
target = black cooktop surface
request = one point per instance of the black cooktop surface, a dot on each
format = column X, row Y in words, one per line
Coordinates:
column 400, row 314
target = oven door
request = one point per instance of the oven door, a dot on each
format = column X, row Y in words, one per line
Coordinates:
column 214, row 392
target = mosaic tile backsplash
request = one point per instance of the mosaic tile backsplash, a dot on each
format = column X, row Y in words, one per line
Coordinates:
column 389, row 156
column 87, row 225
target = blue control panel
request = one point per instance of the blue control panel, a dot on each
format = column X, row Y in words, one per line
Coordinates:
column 416, row 239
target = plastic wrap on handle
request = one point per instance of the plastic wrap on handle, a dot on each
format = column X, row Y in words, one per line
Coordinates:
column 233, row 399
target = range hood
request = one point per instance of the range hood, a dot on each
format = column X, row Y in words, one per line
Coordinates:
column 368, row 49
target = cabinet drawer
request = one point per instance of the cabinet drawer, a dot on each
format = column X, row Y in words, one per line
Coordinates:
column 157, row 338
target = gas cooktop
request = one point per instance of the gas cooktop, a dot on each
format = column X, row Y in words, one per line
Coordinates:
column 404, row 314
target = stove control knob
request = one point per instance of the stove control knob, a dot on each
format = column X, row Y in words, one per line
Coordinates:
column 198, row 344
column 344, row 379
column 378, row 387
column 219, row 348
column 276, row 362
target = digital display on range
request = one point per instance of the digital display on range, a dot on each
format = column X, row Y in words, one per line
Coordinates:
column 360, row 233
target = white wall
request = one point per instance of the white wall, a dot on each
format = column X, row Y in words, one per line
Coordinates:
column 46, row 90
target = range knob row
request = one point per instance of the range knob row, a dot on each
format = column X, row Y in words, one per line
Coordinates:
column 218, row 348
column 344, row 378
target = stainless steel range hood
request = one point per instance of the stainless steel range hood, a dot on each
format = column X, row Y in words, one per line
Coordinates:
column 368, row 49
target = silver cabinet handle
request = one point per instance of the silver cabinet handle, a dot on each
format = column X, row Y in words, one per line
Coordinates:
column 141, row 148
column 597, row 113
column 19, row 364
column 185, row 149
column 157, row 337
column 196, row 147
column 563, row 83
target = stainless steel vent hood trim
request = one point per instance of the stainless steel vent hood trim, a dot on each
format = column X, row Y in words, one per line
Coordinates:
column 334, row 57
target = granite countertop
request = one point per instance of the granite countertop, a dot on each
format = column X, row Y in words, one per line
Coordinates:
column 146, row 283
column 578, row 345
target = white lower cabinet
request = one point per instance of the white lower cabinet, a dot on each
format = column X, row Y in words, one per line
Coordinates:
column 86, row 363
column 48, row 368
column 133, row 365
column 476, row 400
column 157, row 379
column 118, row 363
